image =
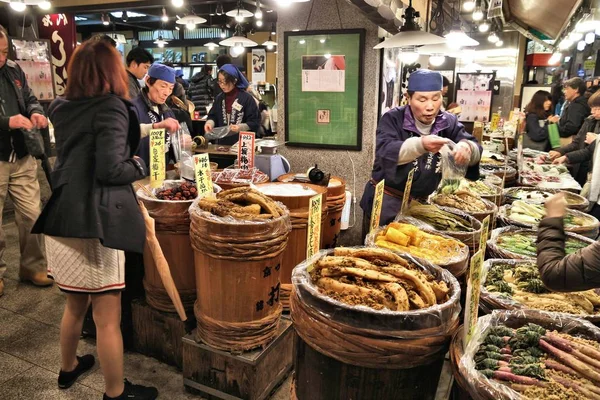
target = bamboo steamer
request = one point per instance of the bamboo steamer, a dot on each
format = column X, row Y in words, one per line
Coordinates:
column 237, row 277
column 336, row 198
column 298, row 205
column 172, row 231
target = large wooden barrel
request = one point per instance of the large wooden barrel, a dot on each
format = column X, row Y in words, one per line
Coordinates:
column 336, row 199
column 296, row 197
column 172, row 231
column 238, row 266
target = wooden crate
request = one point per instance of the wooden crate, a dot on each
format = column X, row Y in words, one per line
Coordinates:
column 159, row 334
column 253, row 375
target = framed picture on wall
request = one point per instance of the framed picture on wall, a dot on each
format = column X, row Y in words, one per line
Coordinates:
column 324, row 78
column 34, row 58
column 474, row 96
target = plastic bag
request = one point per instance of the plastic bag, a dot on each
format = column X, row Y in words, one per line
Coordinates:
column 219, row 133
column 451, row 171
column 181, row 142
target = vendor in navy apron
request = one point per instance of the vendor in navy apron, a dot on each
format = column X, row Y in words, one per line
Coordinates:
column 152, row 111
column 234, row 107
column 411, row 137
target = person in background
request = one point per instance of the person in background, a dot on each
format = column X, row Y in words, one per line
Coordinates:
column 221, row 60
column 574, row 112
column 536, row 122
column 201, row 89
column 178, row 89
column 411, row 137
column 181, row 80
column 20, row 109
column 234, row 107
column 92, row 217
column 561, row 272
column 138, row 62
column 591, row 90
column 264, row 128
column 558, row 97
column 152, row 112
column 445, row 86
column 576, row 153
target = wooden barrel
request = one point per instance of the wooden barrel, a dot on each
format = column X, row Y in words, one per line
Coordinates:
column 296, row 197
column 238, row 266
column 172, row 231
column 336, row 199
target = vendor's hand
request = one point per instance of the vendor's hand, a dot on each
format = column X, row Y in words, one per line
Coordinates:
column 170, row 124
column 561, row 160
column 433, row 144
column 39, row 121
column 553, row 155
column 556, row 206
column 553, row 119
column 590, row 137
column 208, row 128
column 187, row 141
column 462, row 153
column 19, row 122
column 234, row 128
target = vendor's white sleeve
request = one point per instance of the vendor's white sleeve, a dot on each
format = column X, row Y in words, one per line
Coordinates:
column 145, row 130
column 411, row 149
column 475, row 154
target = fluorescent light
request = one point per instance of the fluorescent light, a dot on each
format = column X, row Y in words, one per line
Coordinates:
column 590, row 37
column 469, row 5
column 190, row 25
column 45, row 5
column 165, row 17
column 259, row 23
column 177, row 3
column 322, row 40
column 437, row 59
column 238, row 49
column 18, row 5
column 581, row 45
column 575, row 36
column 565, row 44
column 484, row 27
column 477, row 14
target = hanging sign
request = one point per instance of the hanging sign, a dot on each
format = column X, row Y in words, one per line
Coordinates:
column 313, row 238
column 407, row 189
column 495, row 9
column 377, row 203
column 157, row 157
column 246, row 151
column 203, row 176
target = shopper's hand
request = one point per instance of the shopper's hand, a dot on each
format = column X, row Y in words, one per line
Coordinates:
column 234, row 128
column 39, row 121
column 462, row 153
column 19, row 122
column 433, row 144
column 553, row 119
column 553, row 155
column 561, row 160
column 170, row 124
column 208, row 128
column 556, row 206
column 590, row 137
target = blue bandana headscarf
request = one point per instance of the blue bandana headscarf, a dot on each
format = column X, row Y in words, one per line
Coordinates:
column 242, row 82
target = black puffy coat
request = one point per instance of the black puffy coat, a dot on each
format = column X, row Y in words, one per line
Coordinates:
column 201, row 91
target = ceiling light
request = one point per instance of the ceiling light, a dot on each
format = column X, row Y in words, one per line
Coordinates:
column 469, row 5
column 105, row 19
column 239, row 13
column 45, row 5
column 273, row 31
column 258, row 14
column 555, row 59
column 565, row 44
column 165, row 17
column 18, row 5
column 493, row 38
column 270, row 43
column 575, row 36
column 484, row 26
column 327, row 55
column 581, row 45
column 477, row 14
column 190, row 25
column 124, row 16
column 238, row 49
column 177, row 3
column 190, row 21
column 567, row 59
column 160, row 42
column 499, row 43
column 458, row 38
column 219, row 10
column 237, row 38
column 211, row 46
column 437, row 59
column 177, row 28
column 259, row 23
column 590, row 37
column 409, row 55
column 296, row 30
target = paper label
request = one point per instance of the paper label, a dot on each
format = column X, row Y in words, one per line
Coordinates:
column 203, row 176
column 157, row 157
column 377, row 203
column 246, row 151
column 472, row 300
column 485, row 228
column 313, row 238
column 494, row 122
column 520, row 153
column 407, row 189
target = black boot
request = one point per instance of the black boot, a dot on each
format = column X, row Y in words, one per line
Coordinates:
column 137, row 392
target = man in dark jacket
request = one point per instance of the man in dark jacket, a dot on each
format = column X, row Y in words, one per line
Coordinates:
column 575, row 111
column 139, row 61
column 561, row 272
column 201, row 89
column 20, row 109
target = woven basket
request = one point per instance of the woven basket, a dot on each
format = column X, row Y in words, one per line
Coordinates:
column 492, row 211
column 575, row 201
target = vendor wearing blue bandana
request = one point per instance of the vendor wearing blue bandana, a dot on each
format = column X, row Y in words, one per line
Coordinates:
column 234, row 107
column 411, row 137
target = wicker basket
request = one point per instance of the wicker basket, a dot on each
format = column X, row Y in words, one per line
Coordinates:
column 575, row 201
column 492, row 212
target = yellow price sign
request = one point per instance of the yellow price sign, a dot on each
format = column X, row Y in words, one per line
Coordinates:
column 377, row 204
column 157, row 157
column 473, row 294
column 485, row 228
column 494, row 122
column 407, row 189
column 203, row 176
column 313, row 237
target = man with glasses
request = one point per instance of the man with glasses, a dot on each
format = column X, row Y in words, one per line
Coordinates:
column 574, row 112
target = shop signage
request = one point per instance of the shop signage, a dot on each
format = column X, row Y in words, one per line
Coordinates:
column 485, row 228
column 259, row 65
column 494, row 122
column 203, row 176
column 495, row 9
column 407, row 189
column 246, row 151
column 313, row 239
column 157, row 157
column 589, row 65
column 472, row 300
column 377, row 203
column 520, row 152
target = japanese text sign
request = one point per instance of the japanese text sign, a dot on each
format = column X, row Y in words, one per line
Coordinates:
column 157, row 157
column 246, row 151
column 203, row 176
column 377, row 204
column 313, row 237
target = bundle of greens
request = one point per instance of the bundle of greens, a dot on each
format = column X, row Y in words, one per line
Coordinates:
column 532, row 214
column 524, row 243
column 438, row 218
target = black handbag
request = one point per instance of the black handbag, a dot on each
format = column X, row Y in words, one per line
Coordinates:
column 34, row 142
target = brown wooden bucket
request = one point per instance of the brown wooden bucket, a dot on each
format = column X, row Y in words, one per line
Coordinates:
column 238, row 266
column 336, row 199
column 298, row 204
column 172, row 231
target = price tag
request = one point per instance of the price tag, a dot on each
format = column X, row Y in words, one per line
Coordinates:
column 485, row 228
column 520, row 153
column 246, row 151
column 407, row 189
column 157, row 157
column 478, row 131
column 494, row 122
column 472, row 300
column 203, row 176
column 313, row 238
column 377, row 203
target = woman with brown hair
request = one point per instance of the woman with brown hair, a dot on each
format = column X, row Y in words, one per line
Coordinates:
column 93, row 216
column 536, row 128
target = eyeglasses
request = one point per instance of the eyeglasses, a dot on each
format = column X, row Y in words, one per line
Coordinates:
column 220, row 82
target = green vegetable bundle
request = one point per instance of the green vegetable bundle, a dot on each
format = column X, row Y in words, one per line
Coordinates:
column 439, row 219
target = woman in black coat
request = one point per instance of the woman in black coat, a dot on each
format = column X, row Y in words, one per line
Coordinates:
column 536, row 128
column 93, row 216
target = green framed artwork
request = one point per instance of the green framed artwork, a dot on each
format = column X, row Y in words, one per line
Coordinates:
column 324, row 88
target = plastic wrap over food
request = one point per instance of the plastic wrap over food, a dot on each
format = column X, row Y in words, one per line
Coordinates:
column 439, row 319
column 219, row 133
column 451, row 171
column 481, row 387
column 539, row 196
column 234, row 176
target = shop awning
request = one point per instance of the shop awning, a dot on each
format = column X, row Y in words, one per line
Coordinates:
column 548, row 17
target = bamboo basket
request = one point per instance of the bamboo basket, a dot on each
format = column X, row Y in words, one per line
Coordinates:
column 492, row 212
column 511, row 173
column 575, row 201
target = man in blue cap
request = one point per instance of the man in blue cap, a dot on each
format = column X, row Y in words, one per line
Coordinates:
column 411, row 137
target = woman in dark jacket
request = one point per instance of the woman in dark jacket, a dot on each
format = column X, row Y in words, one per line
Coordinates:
column 92, row 216
column 234, row 107
column 536, row 129
column 561, row 272
column 201, row 89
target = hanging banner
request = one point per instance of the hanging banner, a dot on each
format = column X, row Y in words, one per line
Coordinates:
column 60, row 30
column 246, row 151
column 495, row 9
column 259, row 65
